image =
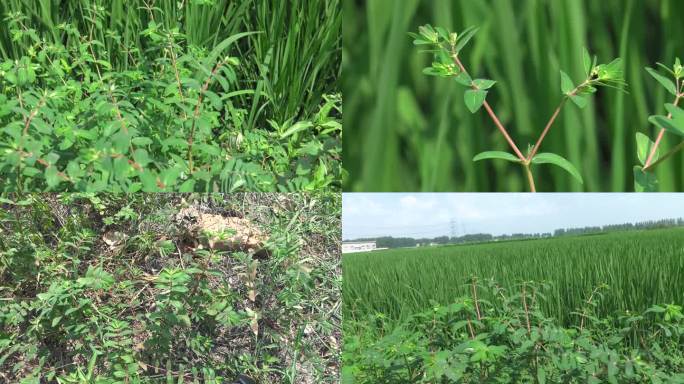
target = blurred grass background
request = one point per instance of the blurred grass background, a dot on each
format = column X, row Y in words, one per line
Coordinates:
column 409, row 132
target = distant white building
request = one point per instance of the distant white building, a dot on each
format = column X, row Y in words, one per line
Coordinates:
column 358, row 246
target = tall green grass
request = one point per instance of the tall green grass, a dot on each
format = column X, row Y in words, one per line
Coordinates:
column 641, row 268
column 408, row 132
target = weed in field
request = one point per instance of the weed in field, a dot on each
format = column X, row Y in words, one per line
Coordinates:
column 509, row 339
column 446, row 47
column 648, row 151
column 113, row 289
column 641, row 267
column 203, row 96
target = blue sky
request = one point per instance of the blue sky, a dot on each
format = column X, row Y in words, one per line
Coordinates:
column 431, row 214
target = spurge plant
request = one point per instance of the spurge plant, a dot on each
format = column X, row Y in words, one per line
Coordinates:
column 447, row 46
column 648, row 151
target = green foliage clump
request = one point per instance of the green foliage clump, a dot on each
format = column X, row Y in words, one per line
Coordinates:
column 111, row 289
column 510, row 340
column 648, row 151
column 95, row 98
column 446, row 47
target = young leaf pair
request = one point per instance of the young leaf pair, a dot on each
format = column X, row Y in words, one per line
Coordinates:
column 446, row 47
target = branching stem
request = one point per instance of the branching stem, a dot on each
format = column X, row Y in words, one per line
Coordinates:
column 535, row 149
column 525, row 161
column 659, row 139
column 527, row 315
column 491, row 113
column 553, row 118
column 477, row 305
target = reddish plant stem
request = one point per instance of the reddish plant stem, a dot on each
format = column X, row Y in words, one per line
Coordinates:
column 666, row 156
column 584, row 312
column 470, row 328
column 197, row 111
column 535, row 149
column 177, row 74
column 659, row 139
column 527, row 315
column 553, row 118
column 477, row 306
column 27, row 123
column 530, row 178
column 491, row 113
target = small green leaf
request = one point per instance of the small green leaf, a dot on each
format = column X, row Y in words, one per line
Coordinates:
column 56, row 320
column 149, row 180
column 677, row 114
column 474, row 98
column 52, row 176
column 664, row 81
column 421, row 42
column 442, row 33
column 141, row 141
column 141, row 157
column 428, row 33
column 611, row 71
column 566, row 83
column 418, row 39
column 432, row 71
column 667, row 124
column 185, row 320
column 187, row 186
column 552, row 158
column 586, row 60
column 644, row 148
column 644, row 181
column 464, row 38
column 580, row 101
column 483, row 84
column 496, row 155
column 464, row 79
column 541, row 375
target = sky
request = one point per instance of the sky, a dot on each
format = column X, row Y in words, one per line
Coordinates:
column 368, row 215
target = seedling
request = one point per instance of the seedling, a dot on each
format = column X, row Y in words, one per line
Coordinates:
column 446, row 47
column 648, row 151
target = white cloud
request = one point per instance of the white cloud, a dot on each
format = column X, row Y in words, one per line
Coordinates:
column 375, row 214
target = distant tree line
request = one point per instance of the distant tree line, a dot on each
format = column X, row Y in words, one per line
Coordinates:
column 402, row 242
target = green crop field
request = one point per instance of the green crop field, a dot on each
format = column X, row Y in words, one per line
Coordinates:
column 641, row 268
column 604, row 287
column 411, row 132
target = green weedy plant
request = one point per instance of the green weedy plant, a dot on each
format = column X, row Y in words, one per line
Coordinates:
column 508, row 339
column 446, row 47
column 106, row 289
column 167, row 97
column 648, row 151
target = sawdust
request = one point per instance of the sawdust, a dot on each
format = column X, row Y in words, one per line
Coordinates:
column 222, row 233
